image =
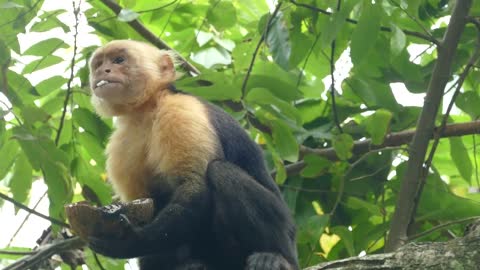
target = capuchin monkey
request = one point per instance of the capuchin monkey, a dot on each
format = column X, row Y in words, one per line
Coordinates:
column 216, row 206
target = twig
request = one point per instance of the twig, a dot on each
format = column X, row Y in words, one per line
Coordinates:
column 20, row 16
column 97, row 261
column 332, row 77
column 441, row 226
column 17, row 253
column 46, row 252
column 382, row 28
column 350, row 169
column 459, row 84
column 148, row 35
column 25, row 219
column 24, row 207
column 262, row 38
column 76, row 11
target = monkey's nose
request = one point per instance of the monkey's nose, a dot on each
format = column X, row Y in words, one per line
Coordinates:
column 107, row 70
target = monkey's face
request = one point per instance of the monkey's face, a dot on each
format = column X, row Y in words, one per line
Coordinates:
column 125, row 74
column 114, row 75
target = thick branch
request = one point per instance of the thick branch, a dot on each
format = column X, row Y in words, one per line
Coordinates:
column 411, row 183
column 398, row 139
column 460, row 253
column 392, row 140
column 148, row 35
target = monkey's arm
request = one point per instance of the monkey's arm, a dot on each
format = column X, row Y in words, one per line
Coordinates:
column 175, row 225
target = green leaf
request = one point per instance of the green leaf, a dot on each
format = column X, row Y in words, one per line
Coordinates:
column 4, row 53
column 92, row 145
column 315, row 166
column 347, row 239
column 460, row 157
column 468, row 102
column 42, row 63
column 222, row 15
column 91, row 123
column 336, row 22
column 378, row 125
column 312, row 228
column 9, row 152
column 277, row 85
column 47, row 86
column 264, row 97
column 8, row 5
column 127, row 15
column 45, row 156
column 211, row 86
column 213, row 56
column 365, row 33
column 59, row 185
column 281, row 172
column 278, row 41
column 88, row 175
column 343, row 145
column 32, row 114
column 46, row 47
column 21, row 181
column 49, row 23
column 398, row 40
column 373, row 93
column 357, row 203
column 284, row 141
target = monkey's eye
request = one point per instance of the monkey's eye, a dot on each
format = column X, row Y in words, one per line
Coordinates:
column 118, row 60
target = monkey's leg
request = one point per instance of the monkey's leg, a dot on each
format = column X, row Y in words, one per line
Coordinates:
column 180, row 222
column 251, row 218
column 262, row 260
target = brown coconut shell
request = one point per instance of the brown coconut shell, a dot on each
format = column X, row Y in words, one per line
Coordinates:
column 87, row 220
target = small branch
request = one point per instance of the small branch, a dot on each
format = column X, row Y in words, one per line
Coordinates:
column 17, row 253
column 260, row 42
column 392, row 140
column 382, row 28
column 148, row 35
column 26, row 218
column 24, row 207
column 397, row 139
column 459, row 84
column 332, row 77
column 76, row 11
column 441, row 226
column 45, row 252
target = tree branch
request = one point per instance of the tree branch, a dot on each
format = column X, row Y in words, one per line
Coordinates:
column 148, row 35
column 260, row 42
column 76, row 10
column 410, row 190
column 459, row 253
column 24, row 207
column 391, row 140
column 45, row 252
column 382, row 28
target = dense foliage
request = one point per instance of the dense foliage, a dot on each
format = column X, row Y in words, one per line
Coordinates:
column 274, row 74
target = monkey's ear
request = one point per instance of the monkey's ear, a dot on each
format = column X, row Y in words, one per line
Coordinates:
column 167, row 65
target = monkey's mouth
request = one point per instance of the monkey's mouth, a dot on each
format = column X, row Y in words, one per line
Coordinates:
column 103, row 82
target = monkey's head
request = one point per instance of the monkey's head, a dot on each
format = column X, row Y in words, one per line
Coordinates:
column 125, row 74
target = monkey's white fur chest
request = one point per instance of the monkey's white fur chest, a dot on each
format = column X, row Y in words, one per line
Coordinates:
column 175, row 138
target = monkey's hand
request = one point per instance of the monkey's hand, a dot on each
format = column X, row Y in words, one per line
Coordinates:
column 131, row 245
